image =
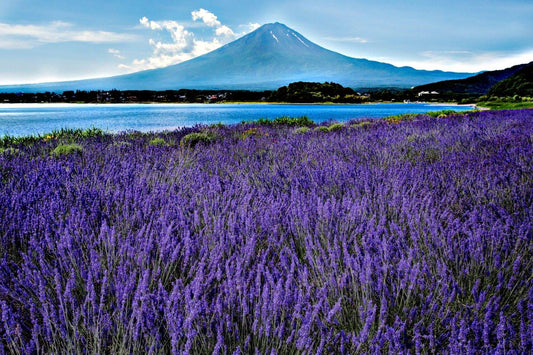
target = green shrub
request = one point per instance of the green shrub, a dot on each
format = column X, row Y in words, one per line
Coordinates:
column 363, row 124
column 217, row 125
column 293, row 121
column 441, row 114
column 322, row 129
column 7, row 141
column 285, row 121
column 301, row 130
column 158, row 142
column 191, row 139
column 335, row 127
column 67, row 149
column 72, row 135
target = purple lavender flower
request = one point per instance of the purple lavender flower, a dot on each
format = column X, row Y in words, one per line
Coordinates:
column 409, row 237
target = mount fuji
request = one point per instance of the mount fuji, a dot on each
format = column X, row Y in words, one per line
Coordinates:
column 267, row 58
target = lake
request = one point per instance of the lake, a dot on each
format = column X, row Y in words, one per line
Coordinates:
column 29, row 119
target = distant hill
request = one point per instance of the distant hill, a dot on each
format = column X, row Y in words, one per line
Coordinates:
column 315, row 92
column 520, row 83
column 476, row 85
column 272, row 56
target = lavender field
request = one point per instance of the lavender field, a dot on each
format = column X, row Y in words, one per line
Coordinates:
column 395, row 236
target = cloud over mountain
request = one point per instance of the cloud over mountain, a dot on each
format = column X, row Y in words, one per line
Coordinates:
column 184, row 44
column 211, row 20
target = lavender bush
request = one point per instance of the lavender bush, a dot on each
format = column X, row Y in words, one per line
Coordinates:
column 401, row 237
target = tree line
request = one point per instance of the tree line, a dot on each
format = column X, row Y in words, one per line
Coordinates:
column 297, row 92
column 134, row 96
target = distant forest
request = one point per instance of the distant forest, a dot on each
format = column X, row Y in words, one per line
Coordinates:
column 134, row 96
column 298, row 92
column 295, row 92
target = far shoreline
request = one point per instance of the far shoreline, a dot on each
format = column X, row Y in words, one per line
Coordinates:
column 437, row 104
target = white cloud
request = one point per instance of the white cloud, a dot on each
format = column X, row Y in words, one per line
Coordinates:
column 211, row 20
column 182, row 40
column 465, row 61
column 207, row 17
column 252, row 26
column 224, row 31
column 184, row 43
column 13, row 36
column 15, row 44
column 116, row 53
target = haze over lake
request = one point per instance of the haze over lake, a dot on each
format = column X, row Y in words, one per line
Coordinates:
column 28, row 119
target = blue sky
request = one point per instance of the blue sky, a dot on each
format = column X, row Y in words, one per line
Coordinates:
column 61, row 40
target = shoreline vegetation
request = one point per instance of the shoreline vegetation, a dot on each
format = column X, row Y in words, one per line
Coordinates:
column 404, row 234
column 294, row 93
column 70, row 134
column 245, row 103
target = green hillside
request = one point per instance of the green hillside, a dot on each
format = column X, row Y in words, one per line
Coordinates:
column 521, row 84
column 475, row 85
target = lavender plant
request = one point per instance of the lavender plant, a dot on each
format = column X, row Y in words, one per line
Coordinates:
column 403, row 237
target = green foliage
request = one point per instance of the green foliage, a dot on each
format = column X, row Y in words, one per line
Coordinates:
column 505, row 105
column 130, row 96
column 121, row 144
column 438, row 114
column 285, row 121
column 192, row 139
column 518, row 84
column 7, row 141
column 315, row 92
column 9, row 151
column 158, row 141
column 73, row 135
column 335, row 127
column 216, row 125
column 442, row 113
column 67, row 149
column 322, row 129
column 64, row 134
column 76, row 134
column 363, row 124
column 478, row 84
column 302, row 130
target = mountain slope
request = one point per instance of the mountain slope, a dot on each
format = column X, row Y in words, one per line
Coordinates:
column 521, row 83
column 271, row 56
column 477, row 85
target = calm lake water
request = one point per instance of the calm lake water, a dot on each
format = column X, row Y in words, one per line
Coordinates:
column 28, row 119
